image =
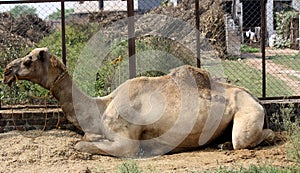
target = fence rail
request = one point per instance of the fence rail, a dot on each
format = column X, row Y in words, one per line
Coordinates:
column 257, row 49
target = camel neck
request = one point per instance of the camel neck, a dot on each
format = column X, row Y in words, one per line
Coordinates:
column 62, row 89
column 79, row 108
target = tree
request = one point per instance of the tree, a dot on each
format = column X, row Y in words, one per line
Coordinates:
column 57, row 14
column 20, row 10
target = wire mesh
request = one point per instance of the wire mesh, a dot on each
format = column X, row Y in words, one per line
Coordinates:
column 230, row 41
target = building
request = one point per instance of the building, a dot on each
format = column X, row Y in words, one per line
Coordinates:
column 243, row 16
column 117, row 5
column 247, row 13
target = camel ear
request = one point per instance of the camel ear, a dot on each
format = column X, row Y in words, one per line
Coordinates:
column 41, row 56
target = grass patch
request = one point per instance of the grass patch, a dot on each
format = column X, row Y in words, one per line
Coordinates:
column 255, row 169
column 249, row 49
column 241, row 74
column 291, row 62
column 132, row 167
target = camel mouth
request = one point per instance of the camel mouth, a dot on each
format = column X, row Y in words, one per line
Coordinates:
column 9, row 81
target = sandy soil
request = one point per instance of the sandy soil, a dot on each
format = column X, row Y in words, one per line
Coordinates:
column 52, row 151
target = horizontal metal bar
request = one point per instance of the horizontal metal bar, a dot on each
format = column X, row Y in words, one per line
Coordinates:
column 280, row 98
column 28, row 1
column 37, row 1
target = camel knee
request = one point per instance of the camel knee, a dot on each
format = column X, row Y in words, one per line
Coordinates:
column 88, row 147
column 245, row 136
column 90, row 137
column 250, row 141
column 242, row 142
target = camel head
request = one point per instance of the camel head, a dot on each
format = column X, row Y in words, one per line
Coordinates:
column 39, row 66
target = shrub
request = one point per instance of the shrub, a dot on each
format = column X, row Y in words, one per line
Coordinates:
column 288, row 121
column 284, row 19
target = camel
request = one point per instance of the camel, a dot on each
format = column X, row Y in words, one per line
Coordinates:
column 149, row 116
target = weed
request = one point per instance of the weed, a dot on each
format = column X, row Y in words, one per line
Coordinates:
column 248, row 49
column 129, row 167
column 288, row 121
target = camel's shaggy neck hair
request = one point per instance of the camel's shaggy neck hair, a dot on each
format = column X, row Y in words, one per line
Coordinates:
column 61, row 89
column 55, row 63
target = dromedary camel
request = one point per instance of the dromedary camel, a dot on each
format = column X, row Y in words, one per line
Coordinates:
column 149, row 116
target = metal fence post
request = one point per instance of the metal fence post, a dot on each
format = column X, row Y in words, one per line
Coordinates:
column 63, row 33
column 198, row 32
column 131, row 39
column 263, row 45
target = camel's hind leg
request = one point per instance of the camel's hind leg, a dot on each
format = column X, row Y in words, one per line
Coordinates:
column 247, row 131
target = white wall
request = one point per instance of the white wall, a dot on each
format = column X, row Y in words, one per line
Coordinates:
column 86, row 7
column 270, row 17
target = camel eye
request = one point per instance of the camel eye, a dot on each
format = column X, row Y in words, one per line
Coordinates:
column 28, row 62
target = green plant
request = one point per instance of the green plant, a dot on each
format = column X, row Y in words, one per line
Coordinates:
column 283, row 20
column 77, row 36
column 129, row 167
column 20, row 10
column 288, row 121
column 248, row 49
column 57, row 14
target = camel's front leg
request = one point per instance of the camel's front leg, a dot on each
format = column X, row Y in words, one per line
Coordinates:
column 124, row 148
column 92, row 137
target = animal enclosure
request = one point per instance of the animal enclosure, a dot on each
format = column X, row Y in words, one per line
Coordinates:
column 104, row 43
column 227, row 44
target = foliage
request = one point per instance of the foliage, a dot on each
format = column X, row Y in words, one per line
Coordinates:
column 12, row 52
column 248, row 49
column 132, row 167
column 284, row 19
column 57, row 14
column 129, row 167
column 289, row 121
column 76, row 37
column 20, row 10
column 255, row 169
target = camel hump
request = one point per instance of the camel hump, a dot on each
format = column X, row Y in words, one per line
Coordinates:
column 201, row 77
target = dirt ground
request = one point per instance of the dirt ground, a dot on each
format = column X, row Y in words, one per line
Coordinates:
column 52, row 151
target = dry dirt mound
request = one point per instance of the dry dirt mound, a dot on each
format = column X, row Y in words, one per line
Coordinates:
column 53, row 152
column 18, row 33
column 27, row 26
column 31, row 27
column 212, row 24
column 211, row 13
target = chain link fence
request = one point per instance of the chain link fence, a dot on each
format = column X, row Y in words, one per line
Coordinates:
column 230, row 37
